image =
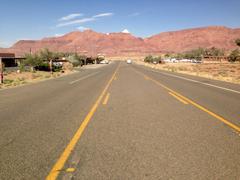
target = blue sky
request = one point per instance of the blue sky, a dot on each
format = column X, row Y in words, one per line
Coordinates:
column 35, row 19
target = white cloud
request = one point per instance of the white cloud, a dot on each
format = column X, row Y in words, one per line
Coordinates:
column 83, row 20
column 82, row 28
column 78, row 21
column 4, row 44
column 103, row 15
column 70, row 17
column 58, row 35
column 125, row 31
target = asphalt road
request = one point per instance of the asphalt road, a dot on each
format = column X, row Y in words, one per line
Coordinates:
column 121, row 122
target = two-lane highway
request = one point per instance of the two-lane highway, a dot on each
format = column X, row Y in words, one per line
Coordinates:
column 121, row 122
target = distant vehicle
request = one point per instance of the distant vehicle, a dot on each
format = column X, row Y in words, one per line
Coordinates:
column 155, row 62
column 104, row 62
column 129, row 61
column 167, row 60
column 174, row 60
column 195, row 61
column 186, row 60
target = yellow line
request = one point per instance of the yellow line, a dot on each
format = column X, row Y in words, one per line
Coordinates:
column 106, row 99
column 225, row 121
column 66, row 153
column 178, row 98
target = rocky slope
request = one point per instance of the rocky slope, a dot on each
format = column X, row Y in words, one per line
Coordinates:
column 116, row 44
column 184, row 40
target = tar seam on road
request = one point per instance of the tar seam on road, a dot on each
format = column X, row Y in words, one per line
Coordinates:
column 207, row 84
column 105, row 101
column 70, row 169
column 225, row 121
column 178, row 98
column 84, row 77
column 53, row 174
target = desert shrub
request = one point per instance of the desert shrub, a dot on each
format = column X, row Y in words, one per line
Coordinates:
column 234, row 56
column 43, row 67
column 77, row 60
column 213, row 52
column 157, row 59
column 237, row 42
column 68, row 66
column 8, row 81
column 148, row 59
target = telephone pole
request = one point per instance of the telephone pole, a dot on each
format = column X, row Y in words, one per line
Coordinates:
column 1, row 71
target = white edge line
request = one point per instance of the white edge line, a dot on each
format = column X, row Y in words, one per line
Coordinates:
column 207, row 84
column 84, row 77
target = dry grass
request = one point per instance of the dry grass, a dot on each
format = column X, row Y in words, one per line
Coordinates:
column 229, row 72
column 17, row 79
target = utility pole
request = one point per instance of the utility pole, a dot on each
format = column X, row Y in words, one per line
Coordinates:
column 51, row 65
column 1, row 71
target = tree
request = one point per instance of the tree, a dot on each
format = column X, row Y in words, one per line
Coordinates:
column 77, row 60
column 157, row 59
column 237, row 42
column 214, row 52
column 234, row 56
column 167, row 55
column 32, row 60
column 48, row 56
column 83, row 58
column 148, row 59
column 194, row 54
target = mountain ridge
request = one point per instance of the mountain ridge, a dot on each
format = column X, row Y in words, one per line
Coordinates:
column 90, row 42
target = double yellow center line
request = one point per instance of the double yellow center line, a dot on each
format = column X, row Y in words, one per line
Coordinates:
column 178, row 98
column 66, row 153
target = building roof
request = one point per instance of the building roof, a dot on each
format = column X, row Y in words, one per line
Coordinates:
column 7, row 55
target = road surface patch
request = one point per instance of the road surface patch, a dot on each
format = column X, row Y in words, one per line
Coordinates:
column 106, row 99
column 58, row 166
column 82, row 78
column 225, row 121
column 178, row 98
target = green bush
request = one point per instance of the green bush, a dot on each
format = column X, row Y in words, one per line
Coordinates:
column 32, row 60
column 237, row 42
column 8, row 81
column 234, row 56
column 77, row 60
column 148, row 59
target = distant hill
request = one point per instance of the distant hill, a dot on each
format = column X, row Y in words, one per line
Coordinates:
column 184, row 40
column 92, row 43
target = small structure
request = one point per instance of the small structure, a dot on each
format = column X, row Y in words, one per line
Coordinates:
column 8, row 59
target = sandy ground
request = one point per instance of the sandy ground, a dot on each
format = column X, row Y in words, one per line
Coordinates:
column 229, row 72
column 14, row 79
